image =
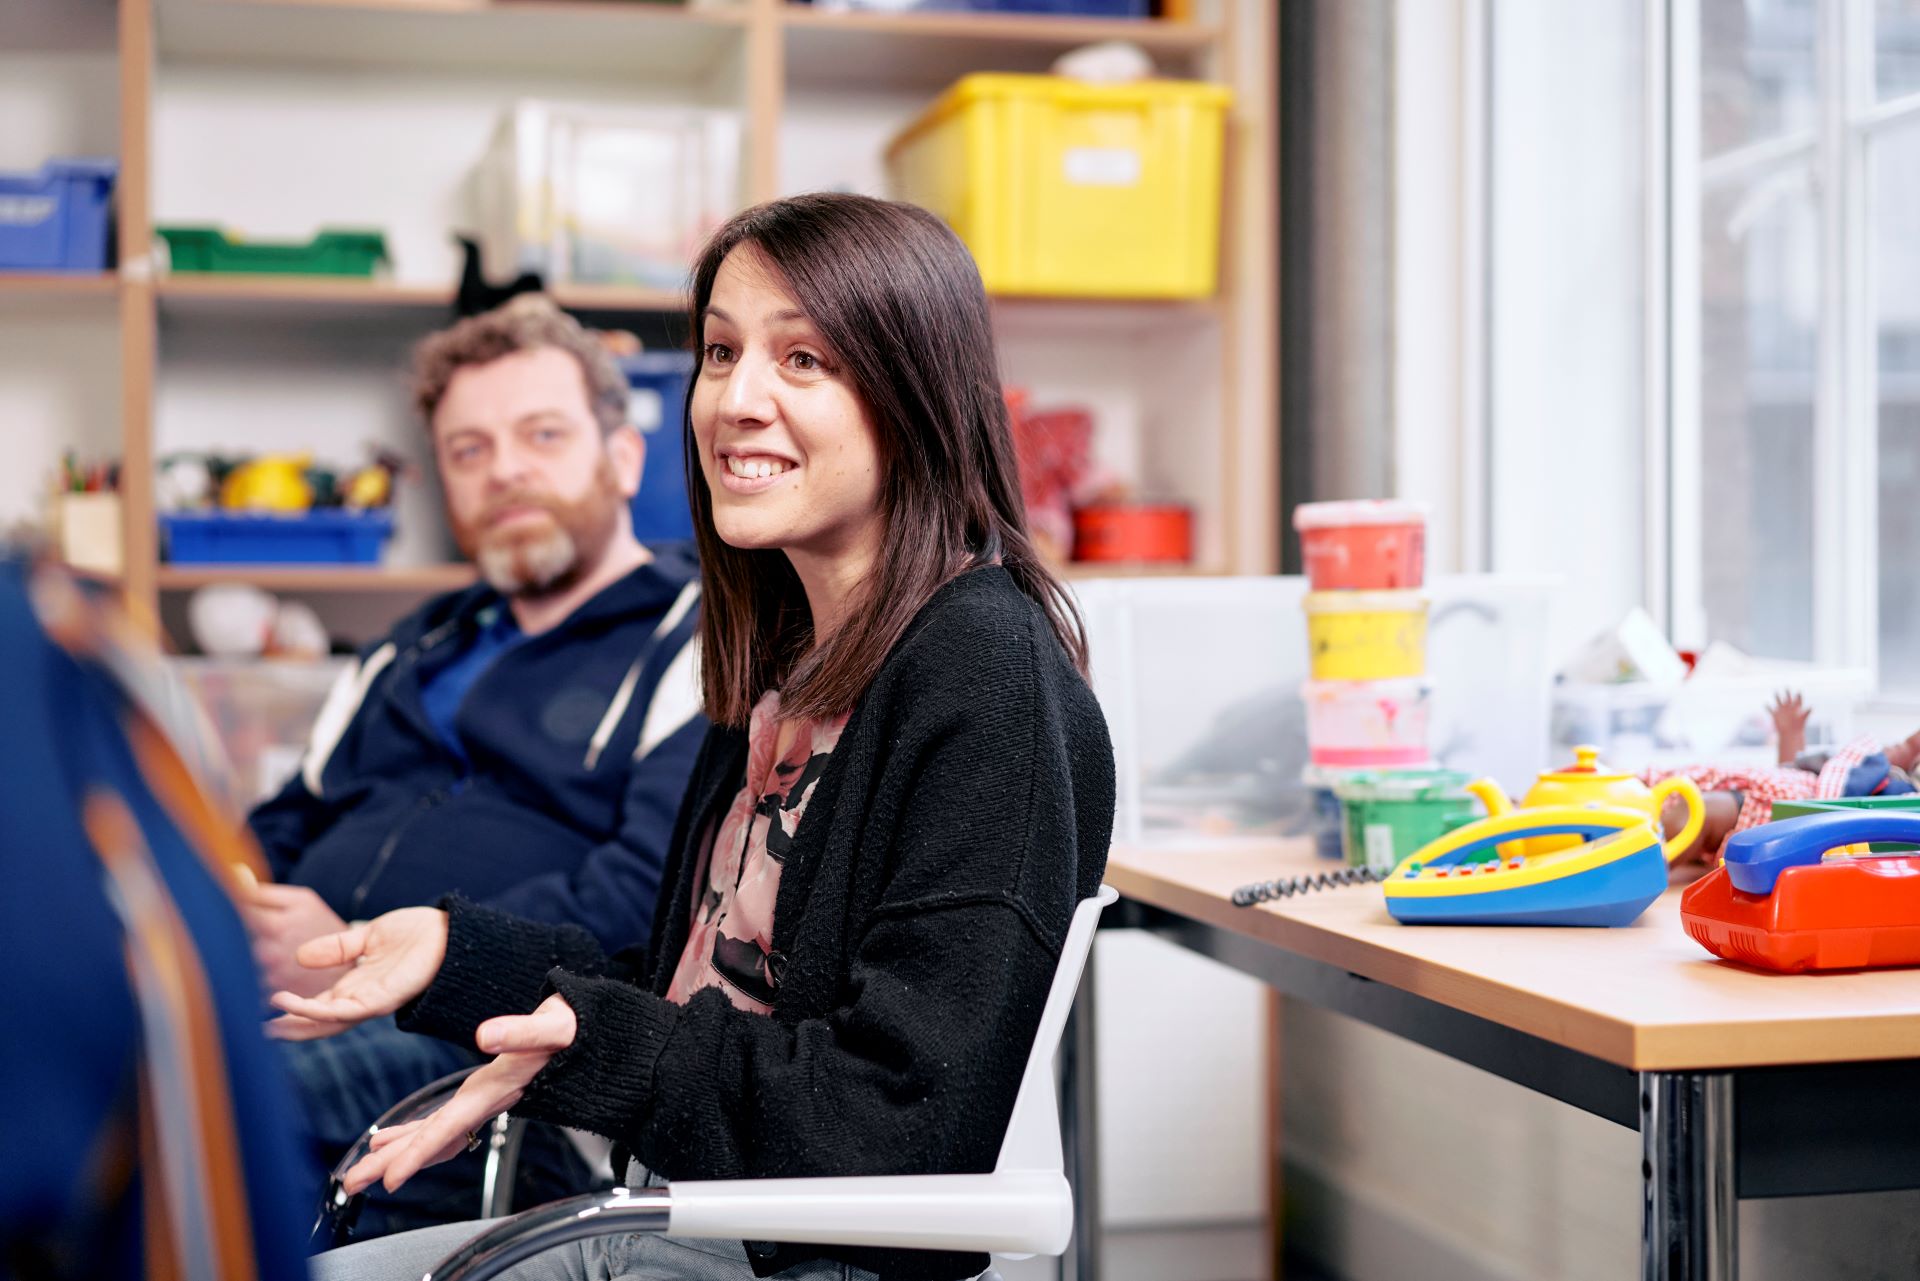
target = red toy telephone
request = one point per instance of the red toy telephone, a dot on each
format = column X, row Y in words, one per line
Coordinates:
column 1779, row 903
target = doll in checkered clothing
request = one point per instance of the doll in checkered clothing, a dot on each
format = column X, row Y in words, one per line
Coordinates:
column 1738, row 798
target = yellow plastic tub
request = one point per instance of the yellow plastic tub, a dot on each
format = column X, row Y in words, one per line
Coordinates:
column 1064, row 188
column 1366, row 636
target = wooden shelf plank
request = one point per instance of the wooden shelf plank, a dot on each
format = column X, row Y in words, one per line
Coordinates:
column 1031, row 28
column 439, row 578
column 76, row 283
column 216, row 291
column 576, row 297
column 1086, row 571
column 222, row 286
column 419, row 580
column 595, row 38
column 834, row 50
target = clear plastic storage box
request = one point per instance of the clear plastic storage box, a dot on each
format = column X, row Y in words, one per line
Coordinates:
column 1200, row 680
column 262, row 711
column 1723, row 721
column 600, row 195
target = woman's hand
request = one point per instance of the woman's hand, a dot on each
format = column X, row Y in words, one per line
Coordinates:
column 524, row 1044
column 392, row 959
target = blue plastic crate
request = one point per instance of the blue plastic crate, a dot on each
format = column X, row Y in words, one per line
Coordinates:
column 326, row 537
column 56, row 219
column 659, row 381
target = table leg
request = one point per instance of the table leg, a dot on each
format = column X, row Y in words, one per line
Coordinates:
column 1688, row 1213
column 1080, row 1127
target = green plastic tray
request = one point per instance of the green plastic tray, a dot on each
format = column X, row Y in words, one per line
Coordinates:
column 331, row 253
column 1783, row 810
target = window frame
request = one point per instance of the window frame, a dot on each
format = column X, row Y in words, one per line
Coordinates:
column 1841, row 144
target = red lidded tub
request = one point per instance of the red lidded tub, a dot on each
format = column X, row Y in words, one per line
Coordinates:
column 1363, row 546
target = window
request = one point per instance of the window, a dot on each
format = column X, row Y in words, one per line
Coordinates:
column 1794, row 433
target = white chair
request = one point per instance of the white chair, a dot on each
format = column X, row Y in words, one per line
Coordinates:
column 1023, row 1208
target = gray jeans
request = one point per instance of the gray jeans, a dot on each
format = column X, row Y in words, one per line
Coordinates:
column 628, row 1257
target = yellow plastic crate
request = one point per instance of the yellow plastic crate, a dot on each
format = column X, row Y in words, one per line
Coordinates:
column 1064, row 188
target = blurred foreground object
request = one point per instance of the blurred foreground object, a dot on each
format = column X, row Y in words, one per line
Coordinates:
column 149, row 1131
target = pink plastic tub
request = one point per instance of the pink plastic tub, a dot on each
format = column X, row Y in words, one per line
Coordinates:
column 1367, row 724
column 1363, row 546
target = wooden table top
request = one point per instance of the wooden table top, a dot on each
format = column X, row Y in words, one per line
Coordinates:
column 1645, row 997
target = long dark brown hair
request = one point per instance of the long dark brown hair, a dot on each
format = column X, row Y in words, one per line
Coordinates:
column 897, row 299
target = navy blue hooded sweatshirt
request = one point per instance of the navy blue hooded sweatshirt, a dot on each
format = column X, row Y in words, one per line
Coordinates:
column 579, row 743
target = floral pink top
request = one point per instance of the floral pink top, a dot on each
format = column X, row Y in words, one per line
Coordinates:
column 731, row 943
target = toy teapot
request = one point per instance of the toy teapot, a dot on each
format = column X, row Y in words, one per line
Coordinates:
column 1588, row 783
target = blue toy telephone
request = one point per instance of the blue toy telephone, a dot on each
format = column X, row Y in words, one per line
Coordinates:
column 1784, row 901
column 1482, row 875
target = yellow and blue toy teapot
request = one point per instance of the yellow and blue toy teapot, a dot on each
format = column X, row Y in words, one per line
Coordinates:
column 1587, row 783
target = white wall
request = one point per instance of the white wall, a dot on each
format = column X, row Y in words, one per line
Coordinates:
column 1438, row 450
column 59, row 358
column 59, row 390
column 1567, row 431
column 58, row 104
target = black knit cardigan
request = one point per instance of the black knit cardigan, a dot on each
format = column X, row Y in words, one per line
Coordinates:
column 966, row 810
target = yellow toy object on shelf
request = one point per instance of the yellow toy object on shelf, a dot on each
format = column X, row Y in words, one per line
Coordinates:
column 275, row 483
column 1609, row 874
column 1589, row 783
column 368, row 488
column 1062, row 188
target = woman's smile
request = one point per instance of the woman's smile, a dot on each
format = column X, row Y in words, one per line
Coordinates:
column 753, row 473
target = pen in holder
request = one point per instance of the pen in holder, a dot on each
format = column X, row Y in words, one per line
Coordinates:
column 86, row 529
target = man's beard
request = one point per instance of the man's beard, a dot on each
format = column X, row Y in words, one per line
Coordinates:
column 536, row 561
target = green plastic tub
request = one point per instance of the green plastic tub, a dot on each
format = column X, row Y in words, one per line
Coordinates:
column 1783, row 810
column 1391, row 813
column 331, row 253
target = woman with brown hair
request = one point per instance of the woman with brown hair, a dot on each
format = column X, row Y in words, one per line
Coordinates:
column 907, row 789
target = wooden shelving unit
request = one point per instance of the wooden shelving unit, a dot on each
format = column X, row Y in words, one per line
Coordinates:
column 787, row 69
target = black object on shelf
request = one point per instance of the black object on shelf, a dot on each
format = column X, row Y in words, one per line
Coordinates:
column 476, row 294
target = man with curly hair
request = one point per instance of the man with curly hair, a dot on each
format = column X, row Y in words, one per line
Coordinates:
column 524, row 742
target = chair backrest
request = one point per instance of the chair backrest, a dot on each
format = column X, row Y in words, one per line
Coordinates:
column 1033, row 1135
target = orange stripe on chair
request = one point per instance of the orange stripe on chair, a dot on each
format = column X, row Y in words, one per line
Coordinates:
column 222, row 840
column 185, row 1101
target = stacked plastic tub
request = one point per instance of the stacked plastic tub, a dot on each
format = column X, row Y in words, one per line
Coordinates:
column 1368, row 701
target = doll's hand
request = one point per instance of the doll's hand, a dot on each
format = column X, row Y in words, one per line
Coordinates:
column 1790, row 713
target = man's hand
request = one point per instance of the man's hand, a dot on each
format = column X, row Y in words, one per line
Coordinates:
column 382, row 965
column 279, row 918
column 524, row 1043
